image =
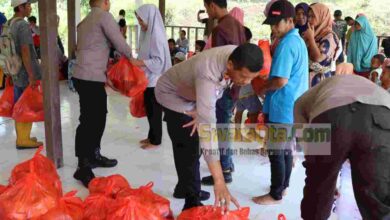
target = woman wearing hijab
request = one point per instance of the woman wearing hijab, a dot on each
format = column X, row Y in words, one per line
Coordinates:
column 3, row 19
column 155, row 59
column 322, row 42
column 236, row 13
column 301, row 11
column 362, row 46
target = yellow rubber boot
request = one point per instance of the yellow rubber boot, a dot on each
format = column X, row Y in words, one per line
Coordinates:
column 23, row 140
column 34, row 139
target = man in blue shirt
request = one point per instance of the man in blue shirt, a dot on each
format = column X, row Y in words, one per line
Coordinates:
column 288, row 80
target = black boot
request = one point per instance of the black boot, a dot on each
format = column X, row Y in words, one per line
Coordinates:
column 191, row 203
column 84, row 172
column 209, row 181
column 102, row 161
column 179, row 193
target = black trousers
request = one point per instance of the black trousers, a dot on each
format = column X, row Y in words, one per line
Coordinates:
column 93, row 112
column 186, row 152
column 154, row 115
column 281, row 160
column 360, row 133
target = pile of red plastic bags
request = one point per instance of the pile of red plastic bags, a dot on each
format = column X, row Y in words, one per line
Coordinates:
column 35, row 192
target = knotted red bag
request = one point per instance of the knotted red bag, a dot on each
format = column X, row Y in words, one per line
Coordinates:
column 7, row 100
column 127, row 78
column 29, row 107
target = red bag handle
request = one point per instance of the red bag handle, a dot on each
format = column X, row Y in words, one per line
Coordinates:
column 32, row 168
column 148, row 186
column 110, row 185
column 37, row 86
column 71, row 193
column 39, row 151
column 8, row 82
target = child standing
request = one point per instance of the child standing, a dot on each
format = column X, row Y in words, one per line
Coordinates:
column 376, row 68
column 182, row 42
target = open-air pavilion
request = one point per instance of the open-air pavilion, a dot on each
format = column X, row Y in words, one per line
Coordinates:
column 123, row 132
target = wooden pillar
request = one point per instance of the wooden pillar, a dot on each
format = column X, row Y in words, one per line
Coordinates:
column 51, row 93
column 162, row 9
column 72, row 23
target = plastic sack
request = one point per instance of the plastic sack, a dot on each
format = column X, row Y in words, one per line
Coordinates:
column 281, row 217
column 69, row 208
column 208, row 212
column 151, row 199
column 110, row 185
column 127, row 78
column 3, row 189
column 266, row 48
column 137, row 106
column 36, row 40
column 29, row 107
column 29, row 198
column 132, row 208
column 96, row 206
column 261, row 119
column 7, row 100
column 258, row 83
column 43, row 167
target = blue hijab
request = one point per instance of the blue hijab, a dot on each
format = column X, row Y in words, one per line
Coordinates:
column 3, row 19
column 305, row 7
column 362, row 46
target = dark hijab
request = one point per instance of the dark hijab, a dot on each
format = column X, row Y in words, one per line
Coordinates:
column 305, row 7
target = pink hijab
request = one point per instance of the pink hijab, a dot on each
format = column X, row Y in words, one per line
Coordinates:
column 236, row 13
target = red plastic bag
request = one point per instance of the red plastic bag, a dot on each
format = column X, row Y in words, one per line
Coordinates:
column 3, row 189
column 281, row 217
column 137, row 106
column 97, row 206
column 151, row 199
column 7, row 100
column 37, row 40
column 266, row 48
column 29, row 198
column 128, row 79
column 261, row 119
column 132, row 208
column 43, row 167
column 258, row 83
column 110, row 185
column 29, row 107
column 69, row 208
column 208, row 212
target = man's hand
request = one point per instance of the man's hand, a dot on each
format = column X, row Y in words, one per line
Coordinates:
column 193, row 123
column 111, row 85
column 136, row 62
column 117, row 55
column 32, row 81
column 223, row 197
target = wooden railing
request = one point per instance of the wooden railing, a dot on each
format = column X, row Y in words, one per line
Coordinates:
column 380, row 39
column 193, row 34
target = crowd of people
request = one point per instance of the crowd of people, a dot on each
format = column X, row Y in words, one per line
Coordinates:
column 309, row 82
